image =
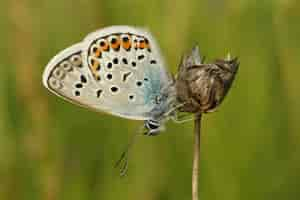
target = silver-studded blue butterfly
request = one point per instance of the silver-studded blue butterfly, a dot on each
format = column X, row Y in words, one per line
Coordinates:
column 118, row 70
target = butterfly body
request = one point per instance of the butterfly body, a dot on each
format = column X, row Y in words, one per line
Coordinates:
column 118, row 70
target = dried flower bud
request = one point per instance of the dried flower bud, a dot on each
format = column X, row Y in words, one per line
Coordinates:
column 202, row 87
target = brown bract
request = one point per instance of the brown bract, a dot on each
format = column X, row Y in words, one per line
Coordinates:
column 202, row 87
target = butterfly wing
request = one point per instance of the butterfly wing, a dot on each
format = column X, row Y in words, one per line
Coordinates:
column 66, row 76
column 117, row 70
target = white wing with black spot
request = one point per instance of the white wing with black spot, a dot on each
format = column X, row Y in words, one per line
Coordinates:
column 118, row 70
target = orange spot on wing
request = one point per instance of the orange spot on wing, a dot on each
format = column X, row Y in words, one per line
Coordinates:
column 126, row 44
column 116, row 44
column 142, row 44
column 104, row 45
column 98, row 53
column 95, row 66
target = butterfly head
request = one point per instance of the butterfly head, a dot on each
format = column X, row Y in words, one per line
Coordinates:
column 152, row 127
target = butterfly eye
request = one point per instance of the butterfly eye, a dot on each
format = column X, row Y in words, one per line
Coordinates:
column 67, row 66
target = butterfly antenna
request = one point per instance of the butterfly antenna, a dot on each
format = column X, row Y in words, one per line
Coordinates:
column 122, row 163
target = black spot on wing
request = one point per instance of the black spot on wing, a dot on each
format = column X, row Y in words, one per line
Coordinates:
column 125, row 76
column 124, row 60
column 77, row 93
column 140, row 57
column 115, row 60
column 109, row 76
column 114, row 89
column 83, row 79
column 99, row 92
column 133, row 64
column 131, row 97
column 109, row 65
column 153, row 62
column 78, row 85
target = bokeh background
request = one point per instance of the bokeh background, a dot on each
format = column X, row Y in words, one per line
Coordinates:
column 250, row 149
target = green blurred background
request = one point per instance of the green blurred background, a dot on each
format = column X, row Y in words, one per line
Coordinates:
column 51, row 149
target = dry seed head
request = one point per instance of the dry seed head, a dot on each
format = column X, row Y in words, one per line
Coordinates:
column 202, row 87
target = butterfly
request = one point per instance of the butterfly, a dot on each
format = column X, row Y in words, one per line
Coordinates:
column 118, row 70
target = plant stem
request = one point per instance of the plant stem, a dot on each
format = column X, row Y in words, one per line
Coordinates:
column 196, row 159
